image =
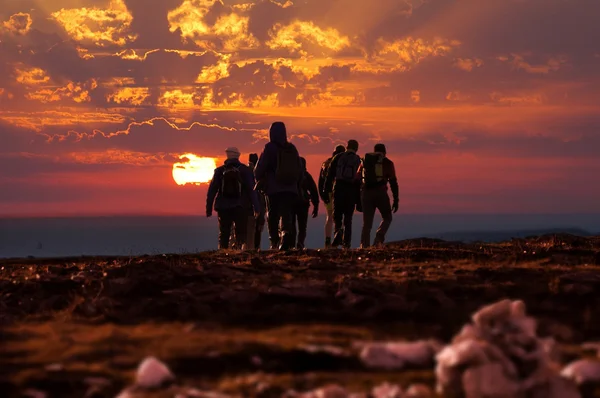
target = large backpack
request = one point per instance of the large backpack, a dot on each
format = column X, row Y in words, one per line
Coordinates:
column 231, row 184
column 372, row 172
column 347, row 166
column 289, row 169
column 325, row 168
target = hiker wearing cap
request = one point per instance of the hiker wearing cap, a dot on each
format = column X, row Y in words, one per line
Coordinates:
column 308, row 194
column 344, row 181
column 279, row 173
column 259, row 221
column 328, row 199
column 231, row 187
column 377, row 172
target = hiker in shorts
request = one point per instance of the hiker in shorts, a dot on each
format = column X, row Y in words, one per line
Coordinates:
column 377, row 172
column 259, row 222
column 231, row 187
column 308, row 194
column 328, row 200
column 279, row 173
column 344, row 181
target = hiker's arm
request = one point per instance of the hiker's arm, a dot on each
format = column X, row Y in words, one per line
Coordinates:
column 212, row 193
column 312, row 188
column 250, row 182
column 393, row 180
column 261, row 166
column 322, row 182
column 330, row 175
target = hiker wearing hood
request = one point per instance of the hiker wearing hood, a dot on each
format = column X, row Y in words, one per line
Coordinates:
column 377, row 172
column 279, row 173
column 308, row 193
column 344, row 181
column 229, row 192
column 328, row 199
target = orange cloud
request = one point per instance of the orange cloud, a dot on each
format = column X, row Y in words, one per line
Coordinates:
column 415, row 96
column 516, row 99
column 229, row 32
column 292, row 36
column 518, row 62
column 117, row 156
column 130, row 95
column 211, row 74
column 18, row 24
column 468, row 64
column 97, row 25
column 457, row 96
column 176, row 99
column 37, row 121
column 76, row 91
column 408, row 52
column 31, row 76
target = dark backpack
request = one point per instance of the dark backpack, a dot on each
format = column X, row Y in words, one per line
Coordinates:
column 288, row 170
column 347, row 166
column 372, row 172
column 231, row 184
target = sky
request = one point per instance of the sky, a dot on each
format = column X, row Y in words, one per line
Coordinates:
column 484, row 106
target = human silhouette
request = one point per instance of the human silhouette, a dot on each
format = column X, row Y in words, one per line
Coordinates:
column 279, row 172
column 344, row 181
column 308, row 194
column 231, row 187
column 328, row 199
column 377, row 172
column 259, row 222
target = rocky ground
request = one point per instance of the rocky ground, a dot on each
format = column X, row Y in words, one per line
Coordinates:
column 260, row 325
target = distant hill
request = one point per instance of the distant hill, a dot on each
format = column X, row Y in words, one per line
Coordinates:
column 501, row 236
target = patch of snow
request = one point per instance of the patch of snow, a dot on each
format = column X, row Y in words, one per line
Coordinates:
column 583, row 371
column 152, row 373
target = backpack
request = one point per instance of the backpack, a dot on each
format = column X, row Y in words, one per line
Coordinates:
column 288, row 170
column 347, row 166
column 372, row 172
column 231, row 184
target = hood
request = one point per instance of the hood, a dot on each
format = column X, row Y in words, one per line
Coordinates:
column 277, row 133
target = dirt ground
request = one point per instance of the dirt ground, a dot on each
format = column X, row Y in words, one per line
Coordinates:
column 258, row 324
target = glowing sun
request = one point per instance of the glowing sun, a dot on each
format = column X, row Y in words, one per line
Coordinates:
column 193, row 170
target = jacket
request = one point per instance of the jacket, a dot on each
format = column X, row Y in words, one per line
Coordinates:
column 267, row 164
column 249, row 195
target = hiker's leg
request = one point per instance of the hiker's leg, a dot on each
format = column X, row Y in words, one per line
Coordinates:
column 273, row 220
column 348, row 214
column 250, row 230
column 339, row 200
column 288, row 227
column 302, row 214
column 241, row 222
column 368, row 207
column 225, row 223
column 260, row 226
column 385, row 208
column 329, row 221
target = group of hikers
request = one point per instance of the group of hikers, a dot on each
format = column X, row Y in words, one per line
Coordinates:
column 278, row 187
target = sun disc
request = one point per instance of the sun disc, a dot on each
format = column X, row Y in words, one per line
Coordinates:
column 196, row 170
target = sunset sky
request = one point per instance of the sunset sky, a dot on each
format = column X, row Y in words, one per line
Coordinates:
column 484, row 105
